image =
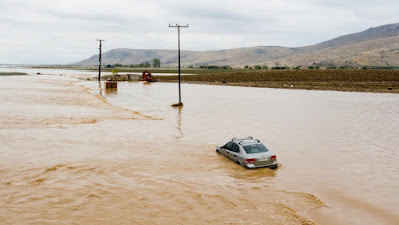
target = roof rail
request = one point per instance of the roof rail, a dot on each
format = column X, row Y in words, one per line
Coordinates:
column 247, row 138
column 243, row 139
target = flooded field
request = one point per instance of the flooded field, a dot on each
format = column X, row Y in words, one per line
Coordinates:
column 48, row 71
column 73, row 72
column 70, row 156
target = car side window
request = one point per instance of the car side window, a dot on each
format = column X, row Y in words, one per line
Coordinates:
column 235, row 148
column 229, row 145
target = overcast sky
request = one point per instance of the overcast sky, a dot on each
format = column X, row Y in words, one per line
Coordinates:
column 65, row 31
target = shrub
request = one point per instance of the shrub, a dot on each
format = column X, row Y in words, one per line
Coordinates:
column 115, row 71
column 280, row 68
column 156, row 63
column 226, row 67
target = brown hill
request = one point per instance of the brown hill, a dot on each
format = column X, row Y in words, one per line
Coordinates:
column 378, row 46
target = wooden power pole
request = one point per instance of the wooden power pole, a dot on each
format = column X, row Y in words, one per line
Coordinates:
column 99, row 59
column 178, row 47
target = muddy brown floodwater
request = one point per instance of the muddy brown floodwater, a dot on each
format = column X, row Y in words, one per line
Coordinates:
column 73, row 153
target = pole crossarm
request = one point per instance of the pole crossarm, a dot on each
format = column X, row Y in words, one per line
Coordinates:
column 177, row 25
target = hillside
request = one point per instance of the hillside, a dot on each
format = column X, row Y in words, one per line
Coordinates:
column 378, row 46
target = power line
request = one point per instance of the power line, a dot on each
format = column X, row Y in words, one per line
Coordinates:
column 178, row 35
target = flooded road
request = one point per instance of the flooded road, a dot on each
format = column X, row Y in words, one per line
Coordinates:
column 338, row 145
column 68, row 156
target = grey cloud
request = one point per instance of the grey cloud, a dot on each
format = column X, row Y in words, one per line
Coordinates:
column 70, row 27
column 217, row 14
column 87, row 17
column 218, row 21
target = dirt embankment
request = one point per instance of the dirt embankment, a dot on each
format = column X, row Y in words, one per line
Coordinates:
column 385, row 81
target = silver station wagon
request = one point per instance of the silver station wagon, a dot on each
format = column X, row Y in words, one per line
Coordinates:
column 249, row 153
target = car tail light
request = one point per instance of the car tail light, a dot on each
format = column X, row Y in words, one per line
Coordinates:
column 250, row 161
column 273, row 157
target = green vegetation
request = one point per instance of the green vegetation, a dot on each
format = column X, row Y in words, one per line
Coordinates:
column 331, row 67
column 346, row 67
column 208, row 69
column 380, row 67
column 163, row 70
column 156, row 63
column 226, row 67
column 141, row 65
column 213, row 67
column 280, row 68
column 115, row 71
column 256, row 67
column 12, row 73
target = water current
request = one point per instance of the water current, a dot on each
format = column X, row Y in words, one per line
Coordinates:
column 67, row 156
column 341, row 147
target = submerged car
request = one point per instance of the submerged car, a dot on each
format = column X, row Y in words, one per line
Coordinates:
column 249, row 153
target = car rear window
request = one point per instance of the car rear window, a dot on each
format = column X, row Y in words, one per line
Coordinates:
column 255, row 148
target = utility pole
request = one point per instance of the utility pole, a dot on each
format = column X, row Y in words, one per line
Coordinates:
column 99, row 59
column 178, row 40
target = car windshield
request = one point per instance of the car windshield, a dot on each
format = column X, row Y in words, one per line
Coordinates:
column 255, row 148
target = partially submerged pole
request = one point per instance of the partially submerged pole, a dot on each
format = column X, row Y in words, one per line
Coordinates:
column 99, row 59
column 178, row 47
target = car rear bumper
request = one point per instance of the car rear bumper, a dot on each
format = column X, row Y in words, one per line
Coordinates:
column 257, row 165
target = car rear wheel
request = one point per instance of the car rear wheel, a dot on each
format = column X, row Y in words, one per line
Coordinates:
column 273, row 167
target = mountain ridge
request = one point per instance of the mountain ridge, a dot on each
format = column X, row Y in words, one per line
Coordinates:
column 376, row 46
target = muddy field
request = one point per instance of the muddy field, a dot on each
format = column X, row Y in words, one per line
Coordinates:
column 359, row 80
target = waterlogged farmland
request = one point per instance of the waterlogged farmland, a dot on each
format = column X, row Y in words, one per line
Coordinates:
column 317, row 79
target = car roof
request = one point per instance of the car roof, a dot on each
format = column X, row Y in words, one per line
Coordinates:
column 245, row 141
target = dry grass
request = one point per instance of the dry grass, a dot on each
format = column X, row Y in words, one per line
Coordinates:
column 341, row 80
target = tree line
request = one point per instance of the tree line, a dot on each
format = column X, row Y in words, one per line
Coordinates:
column 155, row 63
